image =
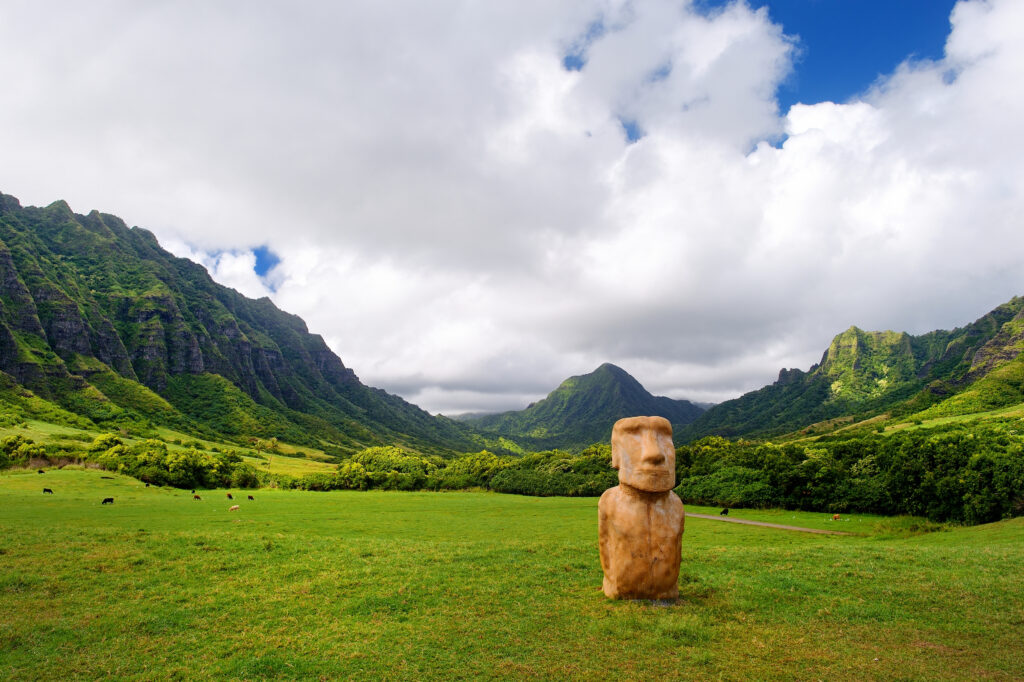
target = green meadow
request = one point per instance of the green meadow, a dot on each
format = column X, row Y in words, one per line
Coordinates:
column 464, row 585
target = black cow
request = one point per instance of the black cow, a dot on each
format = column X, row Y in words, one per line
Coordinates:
column 47, row 491
column 724, row 512
column 229, row 496
column 41, row 471
column 252, row 498
column 147, row 485
column 107, row 500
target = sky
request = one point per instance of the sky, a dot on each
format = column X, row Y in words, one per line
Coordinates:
column 472, row 201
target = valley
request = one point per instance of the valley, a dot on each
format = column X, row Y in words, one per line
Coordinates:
column 118, row 355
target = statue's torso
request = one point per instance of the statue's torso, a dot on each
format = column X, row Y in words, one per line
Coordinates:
column 640, row 540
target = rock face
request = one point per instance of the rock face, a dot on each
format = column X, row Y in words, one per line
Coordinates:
column 84, row 299
column 640, row 521
column 866, row 373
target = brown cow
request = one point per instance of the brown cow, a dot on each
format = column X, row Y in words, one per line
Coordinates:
column 196, row 497
column 835, row 517
column 229, row 496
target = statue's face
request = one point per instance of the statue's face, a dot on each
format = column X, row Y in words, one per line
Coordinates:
column 643, row 453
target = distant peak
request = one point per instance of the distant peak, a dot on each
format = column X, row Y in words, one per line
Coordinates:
column 788, row 376
column 7, row 202
column 609, row 367
column 605, row 375
column 608, row 372
column 61, row 206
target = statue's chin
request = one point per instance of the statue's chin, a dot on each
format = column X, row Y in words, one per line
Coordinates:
column 651, row 482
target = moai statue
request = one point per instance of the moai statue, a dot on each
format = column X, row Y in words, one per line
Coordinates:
column 640, row 521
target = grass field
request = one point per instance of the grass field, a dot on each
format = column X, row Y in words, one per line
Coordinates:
column 292, row 466
column 477, row 585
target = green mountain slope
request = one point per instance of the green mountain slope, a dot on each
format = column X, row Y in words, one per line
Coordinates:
column 583, row 409
column 98, row 319
column 994, row 379
column 971, row 368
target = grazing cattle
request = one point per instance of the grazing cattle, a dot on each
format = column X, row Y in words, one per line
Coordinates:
column 193, row 492
column 107, row 500
column 147, row 485
column 41, row 471
column 835, row 517
column 229, row 496
column 196, row 497
column 724, row 512
column 234, row 508
column 252, row 498
column 47, row 491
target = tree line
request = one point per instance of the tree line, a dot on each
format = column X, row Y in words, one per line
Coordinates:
column 963, row 474
column 967, row 473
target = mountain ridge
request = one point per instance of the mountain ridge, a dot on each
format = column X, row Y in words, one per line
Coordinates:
column 86, row 301
column 864, row 373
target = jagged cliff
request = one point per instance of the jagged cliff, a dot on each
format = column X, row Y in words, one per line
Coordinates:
column 865, row 373
column 98, row 318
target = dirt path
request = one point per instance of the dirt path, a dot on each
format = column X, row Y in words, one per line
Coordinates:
column 767, row 525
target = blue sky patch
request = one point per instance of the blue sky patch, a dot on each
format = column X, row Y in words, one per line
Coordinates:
column 265, row 260
column 632, row 129
column 576, row 57
column 660, row 73
column 845, row 45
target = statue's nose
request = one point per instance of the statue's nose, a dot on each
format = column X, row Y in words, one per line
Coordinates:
column 650, row 452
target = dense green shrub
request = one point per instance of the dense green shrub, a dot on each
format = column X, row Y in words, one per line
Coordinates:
column 730, row 486
column 970, row 473
column 387, row 468
column 152, row 462
column 546, row 473
column 395, row 459
column 469, row 471
column 556, row 472
column 18, row 450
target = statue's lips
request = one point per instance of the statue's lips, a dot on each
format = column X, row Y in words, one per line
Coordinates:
column 653, row 472
column 656, row 477
column 651, row 480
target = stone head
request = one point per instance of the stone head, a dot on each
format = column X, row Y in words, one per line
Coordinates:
column 643, row 452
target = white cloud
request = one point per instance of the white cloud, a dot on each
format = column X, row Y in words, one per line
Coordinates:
column 235, row 269
column 464, row 220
